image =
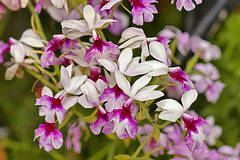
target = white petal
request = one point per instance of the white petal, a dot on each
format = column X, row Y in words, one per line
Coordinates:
column 18, row 52
column 89, row 15
column 134, row 42
column 90, row 91
column 140, row 83
column 58, row 3
column 101, row 22
column 65, row 77
column 75, row 24
column 188, row 98
column 171, row 109
column 122, row 82
column 11, row 71
column 69, row 102
column 145, row 96
column 75, row 84
column 138, row 70
column 110, row 4
column 124, row 59
column 159, row 68
column 111, row 79
column 109, row 65
column 82, row 100
column 24, row 3
column 131, row 32
column 157, row 50
column 33, row 42
column 47, row 91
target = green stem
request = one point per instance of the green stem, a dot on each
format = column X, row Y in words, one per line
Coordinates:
column 163, row 125
column 125, row 8
column 113, row 9
column 112, row 150
column 68, row 49
column 101, row 34
column 145, row 112
column 141, row 146
column 77, row 113
column 34, row 74
column 153, row 151
column 173, row 46
column 80, row 42
column 37, row 21
column 75, row 5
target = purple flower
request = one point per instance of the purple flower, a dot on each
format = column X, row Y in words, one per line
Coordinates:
column 232, row 153
column 205, row 83
column 208, row 51
column 103, row 119
column 187, row 4
column 3, row 49
column 48, row 56
column 142, row 9
column 196, row 133
column 114, row 97
column 164, row 141
column 178, row 75
column 213, row 131
column 183, row 39
column 50, row 137
column 123, row 123
column 50, row 106
column 73, row 138
column 54, row 105
column 101, row 50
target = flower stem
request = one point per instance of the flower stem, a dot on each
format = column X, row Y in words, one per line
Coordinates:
column 141, row 146
column 34, row 74
column 76, row 7
column 125, row 8
column 37, row 21
column 80, row 42
column 68, row 49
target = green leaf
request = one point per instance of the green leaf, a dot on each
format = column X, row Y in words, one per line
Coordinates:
column 66, row 119
column 156, row 132
column 122, row 157
column 140, row 116
column 192, row 61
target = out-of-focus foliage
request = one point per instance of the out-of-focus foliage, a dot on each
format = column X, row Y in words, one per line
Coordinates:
column 19, row 115
column 227, row 108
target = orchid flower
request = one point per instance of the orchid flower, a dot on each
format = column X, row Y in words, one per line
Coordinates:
column 206, row 83
column 54, row 105
column 73, row 29
column 208, row 51
column 183, row 44
column 187, row 4
column 142, row 10
column 50, row 137
column 171, row 110
column 178, row 75
column 71, row 85
column 139, row 91
column 19, row 49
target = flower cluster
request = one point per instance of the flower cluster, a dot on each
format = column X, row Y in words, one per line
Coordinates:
column 111, row 81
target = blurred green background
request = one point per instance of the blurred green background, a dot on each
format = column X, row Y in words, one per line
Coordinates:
column 19, row 117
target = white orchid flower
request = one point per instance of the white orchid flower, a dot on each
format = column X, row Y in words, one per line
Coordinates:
column 73, row 29
column 171, row 110
column 71, row 85
column 139, row 91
